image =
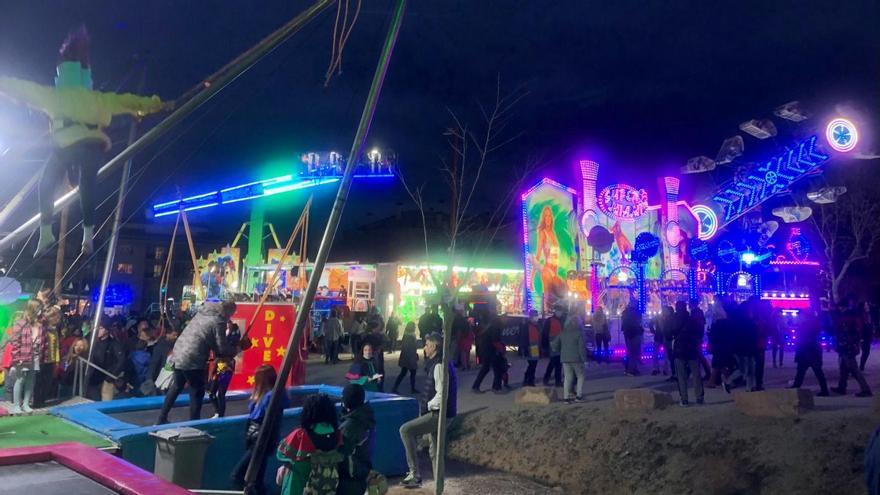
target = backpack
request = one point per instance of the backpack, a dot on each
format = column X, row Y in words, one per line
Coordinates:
column 323, row 474
column 377, row 484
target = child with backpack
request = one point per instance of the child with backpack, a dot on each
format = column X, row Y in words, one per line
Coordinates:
column 310, row 454
column 358, row 431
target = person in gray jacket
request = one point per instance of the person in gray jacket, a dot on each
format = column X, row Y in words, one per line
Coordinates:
column 573, row 354
column 206, row 332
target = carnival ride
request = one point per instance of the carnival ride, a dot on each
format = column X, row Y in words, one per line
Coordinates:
column 612, row 245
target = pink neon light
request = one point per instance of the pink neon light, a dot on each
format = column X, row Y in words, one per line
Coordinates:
column 673, row 233
column 528, row 263
column 547, row 180
column 671, row 187
column 794, row 263
column 589, row 173
column 526, row 259
column 623, row 202
column 789, row 303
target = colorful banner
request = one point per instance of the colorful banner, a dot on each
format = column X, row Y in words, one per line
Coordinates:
column 549, row 228
column 219, row 272
column 625, row 232
column 269, row 337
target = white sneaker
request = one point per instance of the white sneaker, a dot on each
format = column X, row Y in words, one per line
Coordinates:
column 14, row 410
column 47, row 240
column 411, row 481
column 26, row 408
column 87, row 243
column 215, row 416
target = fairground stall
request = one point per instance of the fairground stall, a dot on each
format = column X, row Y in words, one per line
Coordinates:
column 609, row 244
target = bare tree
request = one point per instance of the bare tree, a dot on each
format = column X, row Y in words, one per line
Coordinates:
column 849, row 228
column 473, row 150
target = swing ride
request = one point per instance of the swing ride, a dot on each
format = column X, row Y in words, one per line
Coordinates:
column 279, row 329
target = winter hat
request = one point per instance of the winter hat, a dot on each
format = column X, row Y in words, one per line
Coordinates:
column 353, row 396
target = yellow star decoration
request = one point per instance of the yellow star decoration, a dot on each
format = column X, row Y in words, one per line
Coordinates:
column 280, row 351
column 251, row 380
column 283, row 319
column 255, row 342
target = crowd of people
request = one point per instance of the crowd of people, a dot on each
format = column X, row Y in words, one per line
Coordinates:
column 737, row 336
column 725, row 348
column 45, row 348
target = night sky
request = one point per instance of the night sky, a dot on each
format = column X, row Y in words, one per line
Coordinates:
column 638, row 86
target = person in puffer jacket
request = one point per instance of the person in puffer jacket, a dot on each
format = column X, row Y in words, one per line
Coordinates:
column 573, row 354
column 358, row 437
column 206, row 332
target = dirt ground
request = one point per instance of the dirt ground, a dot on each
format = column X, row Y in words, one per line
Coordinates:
column 712, row 449
column 709, row 450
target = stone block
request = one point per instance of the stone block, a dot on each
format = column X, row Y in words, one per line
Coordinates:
column 775, row 403
column 540, row 396
column 640, row 400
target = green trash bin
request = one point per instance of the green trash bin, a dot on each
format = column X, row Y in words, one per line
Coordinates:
column 180, row 455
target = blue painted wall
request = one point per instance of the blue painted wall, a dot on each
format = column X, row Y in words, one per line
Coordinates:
column 138, row 447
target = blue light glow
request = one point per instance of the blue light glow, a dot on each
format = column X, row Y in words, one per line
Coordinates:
column 760, row 183
column 251, row 190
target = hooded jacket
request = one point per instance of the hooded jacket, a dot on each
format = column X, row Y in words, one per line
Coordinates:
column 358, row 437
column 206, row 332
column 570, row 343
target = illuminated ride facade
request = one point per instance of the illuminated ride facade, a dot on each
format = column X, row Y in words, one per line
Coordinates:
column 717, row 245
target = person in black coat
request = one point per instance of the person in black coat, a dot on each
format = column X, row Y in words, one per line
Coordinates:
column 808, row 353
column 409, row 358
column 108, row 354
column 686, row 352
column 358, row 431
column 631, row 326
column 720, row 335
column 489, row 359
column 161, row 351
column 743, row 343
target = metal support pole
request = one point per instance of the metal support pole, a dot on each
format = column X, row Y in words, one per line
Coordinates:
column 16, row 200
column 243, row 63
column 302, row 314
column 643, row 298
column 114, row 236
column 59, row 252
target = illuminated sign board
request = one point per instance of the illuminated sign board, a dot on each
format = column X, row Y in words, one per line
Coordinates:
column 623, row 202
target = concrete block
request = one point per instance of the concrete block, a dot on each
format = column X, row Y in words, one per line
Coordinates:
column 535, row 395
column 640, row 400
column 775, row 403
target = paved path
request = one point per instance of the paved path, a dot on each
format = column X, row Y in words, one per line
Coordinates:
column 603, row 379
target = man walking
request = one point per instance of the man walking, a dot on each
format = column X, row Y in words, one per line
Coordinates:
column 428, row 422
column 631, row 324
column 332, row 334
column 206, row 332
column 686, row 352
column 848, row 341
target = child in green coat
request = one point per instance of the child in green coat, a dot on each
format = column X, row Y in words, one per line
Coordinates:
column 309, row 455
